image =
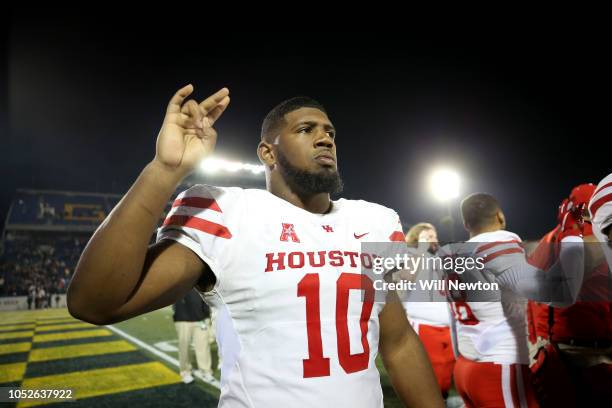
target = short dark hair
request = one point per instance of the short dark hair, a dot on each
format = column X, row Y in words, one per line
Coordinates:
column 276, row 117
column 479, row 209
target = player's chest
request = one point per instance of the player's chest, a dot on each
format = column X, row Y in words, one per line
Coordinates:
column 284, row 255
column 288, row 241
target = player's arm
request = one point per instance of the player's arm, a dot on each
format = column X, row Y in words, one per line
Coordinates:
column 558, row 286
column 118, row 275
column 405, row 359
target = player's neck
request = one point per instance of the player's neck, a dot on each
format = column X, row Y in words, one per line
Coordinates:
column 319, row 203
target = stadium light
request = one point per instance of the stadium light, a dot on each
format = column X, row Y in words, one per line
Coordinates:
column 213, row 165
column 444, row 185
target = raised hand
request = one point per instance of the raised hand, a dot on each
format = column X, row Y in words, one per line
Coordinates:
column 187, row 135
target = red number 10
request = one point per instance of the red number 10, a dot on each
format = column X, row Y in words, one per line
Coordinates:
column 316, row 365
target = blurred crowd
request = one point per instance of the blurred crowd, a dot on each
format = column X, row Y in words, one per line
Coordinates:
column 38, row 267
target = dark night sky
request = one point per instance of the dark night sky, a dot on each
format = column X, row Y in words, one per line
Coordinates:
column 521, row 118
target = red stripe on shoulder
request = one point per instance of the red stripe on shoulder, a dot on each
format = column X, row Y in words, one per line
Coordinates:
column 602, row 188
column 197, row 202
column 496, row 243
column 597, row 204
column 206, row 226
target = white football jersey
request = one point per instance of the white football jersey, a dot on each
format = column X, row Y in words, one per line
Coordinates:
column 496, row 330
column 432, row 306
column 293, row 326
column 600, row 208
column 434, row 313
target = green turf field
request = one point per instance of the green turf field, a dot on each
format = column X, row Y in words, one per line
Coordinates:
column 131, row 363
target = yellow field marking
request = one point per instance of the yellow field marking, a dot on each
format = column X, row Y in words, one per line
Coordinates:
column 91, row 383
column 12, row 372
column 38, row 338
column 22, row 326
column 63, row 327
column 16, row 335
column 15, row 348
column 80, row 350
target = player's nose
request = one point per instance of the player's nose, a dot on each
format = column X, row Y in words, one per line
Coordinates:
column 323, row 139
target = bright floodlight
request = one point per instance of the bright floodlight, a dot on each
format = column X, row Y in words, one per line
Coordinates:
column 444, row 184
column 212, row 165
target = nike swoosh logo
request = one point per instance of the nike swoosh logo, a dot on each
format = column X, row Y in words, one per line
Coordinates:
column 360, row 236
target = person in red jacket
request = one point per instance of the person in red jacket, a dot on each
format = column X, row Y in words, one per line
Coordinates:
column 572, row 346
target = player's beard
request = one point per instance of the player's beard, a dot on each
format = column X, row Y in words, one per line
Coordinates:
column 306, row 182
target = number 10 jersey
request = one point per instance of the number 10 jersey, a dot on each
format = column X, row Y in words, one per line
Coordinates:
column 297, row 324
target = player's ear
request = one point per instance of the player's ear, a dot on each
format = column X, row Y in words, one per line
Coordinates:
column 501, row 219
column 266, row 154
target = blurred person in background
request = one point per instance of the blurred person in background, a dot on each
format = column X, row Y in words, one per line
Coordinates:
column 192, row 321
column 431, row 316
